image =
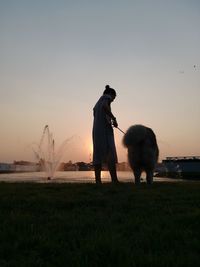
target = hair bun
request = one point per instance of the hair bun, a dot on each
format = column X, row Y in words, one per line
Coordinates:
column 107, row 86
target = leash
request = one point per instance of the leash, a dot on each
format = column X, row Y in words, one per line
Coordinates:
column 120, row 130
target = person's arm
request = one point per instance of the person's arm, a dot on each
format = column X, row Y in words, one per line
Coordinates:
column 108, row 112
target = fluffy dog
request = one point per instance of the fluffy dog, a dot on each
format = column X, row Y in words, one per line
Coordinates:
column 142, row 151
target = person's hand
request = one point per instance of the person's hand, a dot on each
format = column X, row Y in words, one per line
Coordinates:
column 114, row 122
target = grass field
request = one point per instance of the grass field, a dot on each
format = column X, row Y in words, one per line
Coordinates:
column 108, row 225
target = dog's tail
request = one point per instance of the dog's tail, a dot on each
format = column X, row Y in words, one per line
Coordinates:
column 134, row 135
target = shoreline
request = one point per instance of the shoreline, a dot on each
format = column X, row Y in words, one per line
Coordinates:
column 79, row 177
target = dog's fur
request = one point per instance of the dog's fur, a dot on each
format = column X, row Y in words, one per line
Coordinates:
column 142, row 151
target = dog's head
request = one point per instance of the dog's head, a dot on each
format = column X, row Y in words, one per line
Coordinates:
column 134, row 135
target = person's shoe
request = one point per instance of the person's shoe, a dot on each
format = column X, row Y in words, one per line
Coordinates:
column 98, row 181
column 115, row 181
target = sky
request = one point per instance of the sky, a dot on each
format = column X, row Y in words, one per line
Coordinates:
column 56, row 56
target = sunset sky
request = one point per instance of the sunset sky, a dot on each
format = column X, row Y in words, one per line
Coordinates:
column 56, row 56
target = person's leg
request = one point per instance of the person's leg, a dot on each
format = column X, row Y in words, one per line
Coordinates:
column 137, row 174
column 113, row 171
column 112, row 157
column 113, row 174
column 97, row 171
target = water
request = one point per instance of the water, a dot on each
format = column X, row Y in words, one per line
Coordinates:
column 72, row 177
column 46, row 154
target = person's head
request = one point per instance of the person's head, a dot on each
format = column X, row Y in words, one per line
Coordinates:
column 110, row 91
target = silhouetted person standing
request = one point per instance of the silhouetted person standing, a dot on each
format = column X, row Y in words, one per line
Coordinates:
column 104, row 151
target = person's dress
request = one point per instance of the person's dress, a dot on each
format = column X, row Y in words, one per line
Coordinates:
column 104, row 149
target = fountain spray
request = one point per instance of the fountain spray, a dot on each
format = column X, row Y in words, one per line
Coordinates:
column 46, row 154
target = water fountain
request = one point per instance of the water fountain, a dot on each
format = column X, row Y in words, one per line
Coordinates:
column 45, row 153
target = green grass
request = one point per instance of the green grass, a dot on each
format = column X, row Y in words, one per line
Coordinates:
column 109, row 225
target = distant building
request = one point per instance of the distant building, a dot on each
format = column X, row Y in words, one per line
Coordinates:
column 180, row 167
column 6, row 168
column 26, row 166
